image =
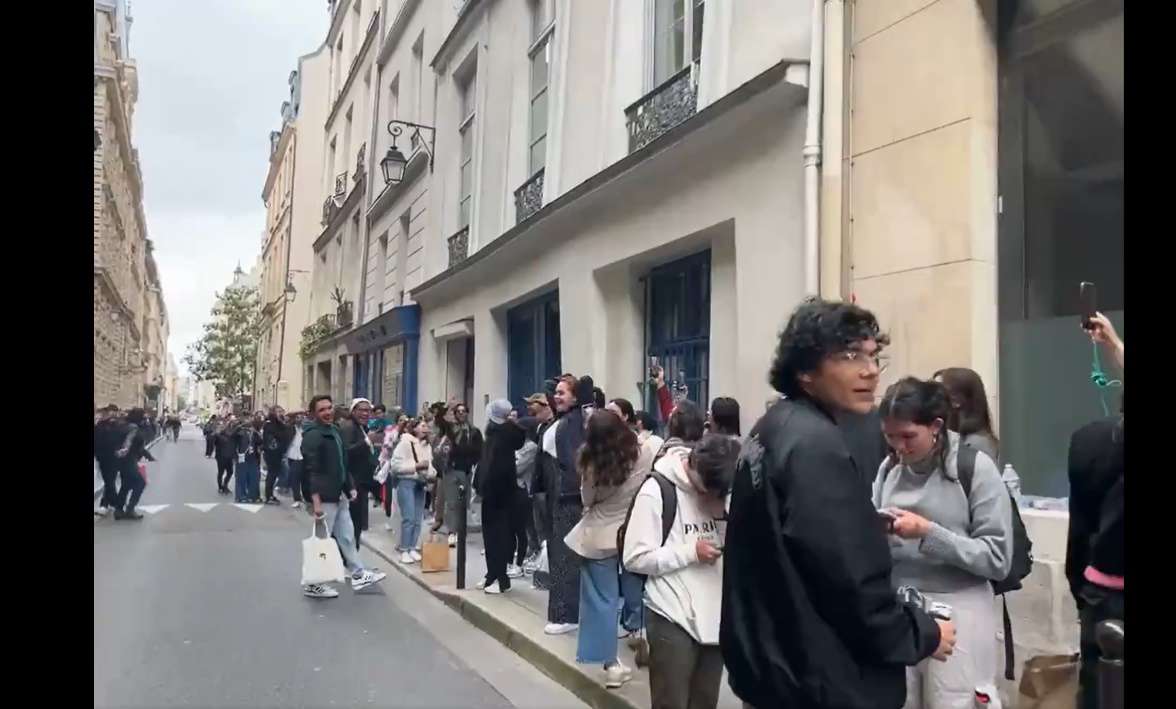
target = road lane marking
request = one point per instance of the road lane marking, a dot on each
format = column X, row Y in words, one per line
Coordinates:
column 247, row 508
column 202, row 506
column 152, row 509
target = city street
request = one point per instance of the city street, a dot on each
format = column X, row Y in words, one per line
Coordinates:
column 199, row 605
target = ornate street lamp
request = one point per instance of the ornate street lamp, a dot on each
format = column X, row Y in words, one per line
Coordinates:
column 394, row 162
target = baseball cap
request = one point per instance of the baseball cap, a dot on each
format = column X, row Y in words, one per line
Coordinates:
column 498, row 410
column 537, row 398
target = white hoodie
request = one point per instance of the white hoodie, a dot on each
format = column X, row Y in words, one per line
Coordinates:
column 679, row 587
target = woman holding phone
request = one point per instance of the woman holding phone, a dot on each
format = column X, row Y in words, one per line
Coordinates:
column 412, row 463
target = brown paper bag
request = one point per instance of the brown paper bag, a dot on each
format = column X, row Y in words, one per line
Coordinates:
column 435, row 554
column 1049, row 682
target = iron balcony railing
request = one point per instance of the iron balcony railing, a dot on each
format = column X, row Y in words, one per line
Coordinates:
column 459, row 246
column 667, row 105
column 529, row 197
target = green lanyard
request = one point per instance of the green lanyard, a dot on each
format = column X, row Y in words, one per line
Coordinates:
column 1100, row 380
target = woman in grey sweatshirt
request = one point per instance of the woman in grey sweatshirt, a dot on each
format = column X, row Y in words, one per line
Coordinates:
column 947, row 544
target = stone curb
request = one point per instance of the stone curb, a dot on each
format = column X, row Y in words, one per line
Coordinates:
column 566, row 674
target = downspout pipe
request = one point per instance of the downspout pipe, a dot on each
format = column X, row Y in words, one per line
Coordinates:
column 812, row 153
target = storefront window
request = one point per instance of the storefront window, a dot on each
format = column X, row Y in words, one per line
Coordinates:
column 1061, row 222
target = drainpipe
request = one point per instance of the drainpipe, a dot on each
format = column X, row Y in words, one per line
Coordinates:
column 812, row 153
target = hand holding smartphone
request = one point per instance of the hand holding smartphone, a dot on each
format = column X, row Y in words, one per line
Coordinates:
column 1088, row 296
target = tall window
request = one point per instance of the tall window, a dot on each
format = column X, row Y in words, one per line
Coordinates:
column 543, row 27
column 468, row 91
column 677, row 36
column 394, row 98
column 418, row 77
column 1061, row 222
column 382, row 272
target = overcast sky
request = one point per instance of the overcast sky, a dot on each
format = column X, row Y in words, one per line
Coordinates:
column 212, row 79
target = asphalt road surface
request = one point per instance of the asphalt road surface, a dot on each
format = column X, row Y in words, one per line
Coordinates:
column 196, row 608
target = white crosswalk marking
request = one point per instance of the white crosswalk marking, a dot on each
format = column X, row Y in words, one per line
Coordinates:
column 152, row 509
column 202, row 506
column 247, row 508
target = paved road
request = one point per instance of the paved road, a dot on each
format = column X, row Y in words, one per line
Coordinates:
column 203, row 609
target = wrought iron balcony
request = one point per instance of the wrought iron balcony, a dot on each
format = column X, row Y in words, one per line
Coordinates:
column 660, row 110
column 529, row 197
column 345, row 314
column 459, row 246
column 341, row 185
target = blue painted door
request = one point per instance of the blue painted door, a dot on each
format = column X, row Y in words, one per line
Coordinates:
column 678, row 326
column 533, row 347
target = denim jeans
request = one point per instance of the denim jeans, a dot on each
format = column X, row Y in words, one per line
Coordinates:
column 633, row 601
column 337, row 516
column 410, row 496
column 294, row 468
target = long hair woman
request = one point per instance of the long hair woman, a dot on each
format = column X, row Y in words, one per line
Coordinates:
column 947, row 543
column 969, row 415
column 612, row 466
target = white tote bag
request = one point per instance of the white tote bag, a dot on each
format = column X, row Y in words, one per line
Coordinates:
column 321, row 561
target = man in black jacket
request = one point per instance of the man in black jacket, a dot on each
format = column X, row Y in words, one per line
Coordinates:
column 496, row 484
column 275, row 439
column 109, row 433
column 466, row 451
column 809, row 617
column 331, row 490
column 361, row 461
column 230, row 443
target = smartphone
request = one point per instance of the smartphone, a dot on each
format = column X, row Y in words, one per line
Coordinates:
column 888, row 518
column 653, row 367
column 1088, row 296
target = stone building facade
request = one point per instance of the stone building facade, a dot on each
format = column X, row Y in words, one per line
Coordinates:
column 130, row 319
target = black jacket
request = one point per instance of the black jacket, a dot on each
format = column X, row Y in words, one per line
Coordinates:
column 467, row 450
column 231, row 441
column 1095, row 537
column 496, row 480
column 867, row 445
column 360, row 462
column 108, row 439
column 810, row 618
column 275, row 438
column 322, row 463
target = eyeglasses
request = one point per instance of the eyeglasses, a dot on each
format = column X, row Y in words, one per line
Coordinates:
column 862, row 360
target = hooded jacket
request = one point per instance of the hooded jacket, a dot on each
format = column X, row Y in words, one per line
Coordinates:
column 231, row 441
column 323, row 464
column 276, row 436
column 361, row 457
column 810, row 618
column 569, row 436
column 497, row 473
column 678, row 587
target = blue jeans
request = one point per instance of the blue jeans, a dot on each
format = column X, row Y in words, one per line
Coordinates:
column 294, row 470
column 337, row 516
column 410, row 496
column 600, row 593
column 632, row 601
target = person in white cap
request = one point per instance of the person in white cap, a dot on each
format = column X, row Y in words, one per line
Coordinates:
column 361, row 460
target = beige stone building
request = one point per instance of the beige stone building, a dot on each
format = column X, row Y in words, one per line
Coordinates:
column 130, row 318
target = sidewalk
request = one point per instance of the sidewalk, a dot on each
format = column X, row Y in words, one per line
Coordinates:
column 516, row 619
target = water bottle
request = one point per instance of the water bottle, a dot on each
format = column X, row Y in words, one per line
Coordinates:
column 1013, row 482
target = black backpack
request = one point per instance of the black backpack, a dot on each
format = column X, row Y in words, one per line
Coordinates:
column 669, row 496
column 1022, row 547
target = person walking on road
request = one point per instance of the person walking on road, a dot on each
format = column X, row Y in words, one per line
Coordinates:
column 809, row 615
column 947, row 545
column 210, row 427
column 276, row 435
column 496, row 485
column 361, row 461
column 109, row 434
column 682, row 560
column 412, row 464
column 131, row 479
column 294, row 474
column 229, row 443
column 331, row 492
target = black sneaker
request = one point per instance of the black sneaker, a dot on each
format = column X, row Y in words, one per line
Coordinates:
column 131, row 514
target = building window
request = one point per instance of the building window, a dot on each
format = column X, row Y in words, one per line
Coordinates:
column 678, row 326
column 677, row 36
column 540, row 58
column 467, row 87
column 418, row 76
column 1061, row 222
column 533, row 347
column 382, row 272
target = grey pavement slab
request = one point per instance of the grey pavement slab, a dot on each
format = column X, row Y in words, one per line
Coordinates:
column 204, row 609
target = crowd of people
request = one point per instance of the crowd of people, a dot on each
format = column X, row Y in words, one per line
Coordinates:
column 121, row 442
column 844, row 553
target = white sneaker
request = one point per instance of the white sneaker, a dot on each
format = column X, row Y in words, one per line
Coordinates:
column 406, row 558
column 452, row 540
column 416, row 555
column 559, row 628
column 367, row 578
column 513, row 572
column 623, row 632
column 295, row 505
column 102, row 511
column 318, row 590
column 389, row 527
column 494, row 589
column 616, row 675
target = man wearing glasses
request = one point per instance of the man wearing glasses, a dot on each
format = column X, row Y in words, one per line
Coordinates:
column 809, row 615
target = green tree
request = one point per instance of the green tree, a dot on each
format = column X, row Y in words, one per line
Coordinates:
column 224, row 354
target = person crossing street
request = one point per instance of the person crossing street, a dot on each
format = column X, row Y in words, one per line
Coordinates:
column 276, row 435
column 332, row 490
